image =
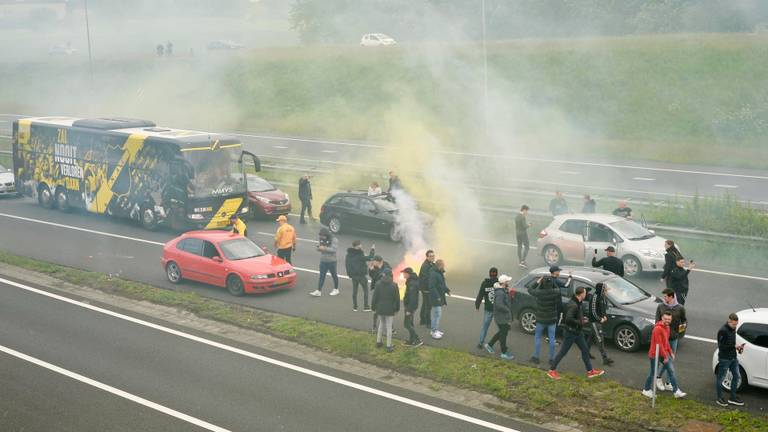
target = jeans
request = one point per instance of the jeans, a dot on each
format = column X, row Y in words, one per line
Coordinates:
column 722, row 367
column 669, row 367
column 408, row 323
column 523, row 246
column 551, row 328
column 425, row 309
column 570, row 339
column 359, row 281
column 501, row 337
column 437, row 311
column 681, row 296
column 487, row 318
column 306, row 205
column 328, row 267
column 597, row 337
column 385, row 321
column 285, row 254
column 673, row 344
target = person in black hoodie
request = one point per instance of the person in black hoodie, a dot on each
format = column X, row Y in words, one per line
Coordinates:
column 357, row 269
column 411, row 305
column 678, row 279
column 438, row 289
column 670, row 258
column 486, row 290
column 549, row 305
column 379, row 270
column 386, row 303
column 598, row 307
column 573, row 321
column 728, row 361
column 424, row 272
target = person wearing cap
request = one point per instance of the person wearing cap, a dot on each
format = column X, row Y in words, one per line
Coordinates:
column 502, row 314
column 549, row 304
column 610, row 263
column 521, row 232
column 285, row 238
column 411, row 304
column 237, row 225
column 485, row 296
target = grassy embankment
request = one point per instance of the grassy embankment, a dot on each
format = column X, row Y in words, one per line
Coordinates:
column 536, row 397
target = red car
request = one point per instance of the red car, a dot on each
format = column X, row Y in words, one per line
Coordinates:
column 225, row 259
column 265, row 200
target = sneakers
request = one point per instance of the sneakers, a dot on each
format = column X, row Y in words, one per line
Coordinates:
column 354, row 309
column 335, row 292
column 379, row 345
column 489, row 349
column 390, row 349
column 668, row 387
column 437, row 334
column 553, row 374
column 736, row 401
column 660, row 384
column 418, row 343
column 507, row 356
column 480, row 346
column 595, row 373
column 608, row 361
column 523, row 264
column 367, row 309
column 679, row 394
column 534, row 360
column 648, row 393
column 722, row 402
column 316, row 293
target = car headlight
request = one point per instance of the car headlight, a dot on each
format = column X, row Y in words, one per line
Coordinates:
column 287, row 198
column 259, row 277
column 196, row 216
column 244, row 210
column 651, row 253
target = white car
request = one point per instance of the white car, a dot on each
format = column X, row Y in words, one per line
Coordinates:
column 752, row 331
column 7, row 182
column 376, row 39
column 575, row 237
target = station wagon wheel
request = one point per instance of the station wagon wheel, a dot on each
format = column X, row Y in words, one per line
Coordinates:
column 334, row 224
column 528, row 320
column 626, row 338
column 632, row 265
column 552, row 255
column 394, row 234
column 45, row 197
column 173, row 272
column 235, row 285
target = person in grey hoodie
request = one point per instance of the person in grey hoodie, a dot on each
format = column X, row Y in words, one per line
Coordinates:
column 502, row 314
column 327, row 246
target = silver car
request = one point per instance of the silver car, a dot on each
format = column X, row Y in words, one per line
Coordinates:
column 575, row 237
column 7, row 183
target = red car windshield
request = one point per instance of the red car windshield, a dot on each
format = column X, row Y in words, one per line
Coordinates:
column 239, row 249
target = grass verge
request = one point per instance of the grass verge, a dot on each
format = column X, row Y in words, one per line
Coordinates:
column 609, row 406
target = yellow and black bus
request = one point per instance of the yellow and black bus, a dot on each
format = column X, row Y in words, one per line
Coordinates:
column 132, row 169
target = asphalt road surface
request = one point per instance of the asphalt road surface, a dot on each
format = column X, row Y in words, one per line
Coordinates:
column 65, row 367
column 120, row 248
column 632, row 179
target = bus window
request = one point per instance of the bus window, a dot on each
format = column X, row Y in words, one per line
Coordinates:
column 215, row 172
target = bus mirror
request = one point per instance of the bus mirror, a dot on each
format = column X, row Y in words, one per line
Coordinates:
column 253, row 158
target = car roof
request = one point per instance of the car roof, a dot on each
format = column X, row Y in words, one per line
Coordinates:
column 757, row 315
column 588, row 274
column 212, row 235
column 592, row 217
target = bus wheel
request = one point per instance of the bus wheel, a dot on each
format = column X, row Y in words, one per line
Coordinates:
column 44, row 197
column 62, row 200
column 148, row 218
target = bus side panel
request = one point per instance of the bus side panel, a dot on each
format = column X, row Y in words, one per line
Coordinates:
column 34, row 157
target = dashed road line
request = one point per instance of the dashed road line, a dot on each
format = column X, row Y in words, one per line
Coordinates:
column 725, row 186
column 643, row 179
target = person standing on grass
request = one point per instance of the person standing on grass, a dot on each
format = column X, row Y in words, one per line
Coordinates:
column 411, row 305
column 285, row 238
column 727, row 360
column 598, row 307
column 574, row 321
column 380, row 270
column 558, row 205
column 385, row 303
column 327, row 246
column 549, row 306
column 305, row 196
column 502, row 314
column 660, row 338
column 670, row 261
column 610, row 262
column 521, row 232
column 437, row 292
column 424, row 276
column 485, row 296
column 678, row 279
column 676, row 328
column 356, row 263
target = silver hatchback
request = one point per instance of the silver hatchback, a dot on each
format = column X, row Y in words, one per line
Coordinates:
column 573, row 238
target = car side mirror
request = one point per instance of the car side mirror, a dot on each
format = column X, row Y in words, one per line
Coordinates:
column 614, row 241
column 217, row 259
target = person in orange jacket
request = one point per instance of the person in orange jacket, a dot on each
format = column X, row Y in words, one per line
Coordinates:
column 285, row 239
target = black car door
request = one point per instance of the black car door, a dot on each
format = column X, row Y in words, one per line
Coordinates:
column 370, row 217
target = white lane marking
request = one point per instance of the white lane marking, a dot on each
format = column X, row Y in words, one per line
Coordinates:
column 319, row 141
column 725, row 186
column 5, row 136
column 701, row 339
column 280, row 147
column 115, row 391
column 269, row 360
column 329, row 151
column 643, row 178
column 570, row 172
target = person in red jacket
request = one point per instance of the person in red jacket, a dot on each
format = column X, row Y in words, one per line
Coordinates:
column 660, row 338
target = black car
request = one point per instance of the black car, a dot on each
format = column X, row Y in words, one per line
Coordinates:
column 631, row 310
column 357, row 211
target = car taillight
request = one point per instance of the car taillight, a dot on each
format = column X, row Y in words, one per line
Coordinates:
column 542, row 233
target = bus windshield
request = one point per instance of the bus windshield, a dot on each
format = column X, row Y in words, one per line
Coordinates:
column 217, row 172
